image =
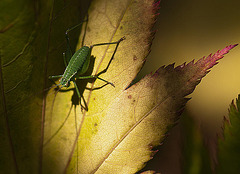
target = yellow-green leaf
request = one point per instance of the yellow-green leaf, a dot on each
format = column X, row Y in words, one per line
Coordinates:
column 108, row 22
column 149, row 172
column 28, row 52
column 123, row 124
column 116, row 135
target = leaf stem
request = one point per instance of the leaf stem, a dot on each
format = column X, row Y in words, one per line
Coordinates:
column 44, row 93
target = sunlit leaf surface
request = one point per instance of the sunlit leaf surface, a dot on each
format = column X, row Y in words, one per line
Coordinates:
column 54, row 134
column 122, row 124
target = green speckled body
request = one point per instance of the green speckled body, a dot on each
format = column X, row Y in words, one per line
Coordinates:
column 78, row 64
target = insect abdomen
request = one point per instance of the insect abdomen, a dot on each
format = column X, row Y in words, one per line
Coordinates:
column 76, row 63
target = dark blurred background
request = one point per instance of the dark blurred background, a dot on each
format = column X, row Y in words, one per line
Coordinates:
column 191, row 29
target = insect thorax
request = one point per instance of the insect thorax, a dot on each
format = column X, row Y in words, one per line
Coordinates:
column 64, row 82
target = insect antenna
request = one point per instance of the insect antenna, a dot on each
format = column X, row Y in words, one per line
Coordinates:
column 47, row 89
column 31, row 95
column 50, row 122
column 54, row 98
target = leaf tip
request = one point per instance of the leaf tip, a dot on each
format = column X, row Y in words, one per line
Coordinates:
column 228, row 48
column 234, row 45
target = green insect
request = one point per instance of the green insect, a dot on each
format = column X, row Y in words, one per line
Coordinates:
column 78, row 64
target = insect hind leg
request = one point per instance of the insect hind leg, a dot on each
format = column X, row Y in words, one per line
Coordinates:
column 96, row 77
column 80, row 96
column 105, row 70
column 115, row 50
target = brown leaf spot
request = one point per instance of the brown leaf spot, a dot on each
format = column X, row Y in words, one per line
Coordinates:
column 134, row 57
column 129, row 96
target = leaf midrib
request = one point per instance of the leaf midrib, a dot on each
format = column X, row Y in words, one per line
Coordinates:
column 191, row 80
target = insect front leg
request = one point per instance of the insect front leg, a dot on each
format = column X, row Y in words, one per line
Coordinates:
column 54, row 77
